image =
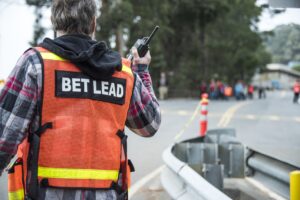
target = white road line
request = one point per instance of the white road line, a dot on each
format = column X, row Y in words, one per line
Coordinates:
column 182, row 112
column 297, row 119
column 225, row 117
column 264, row 189
column 283, row 94
column 274, row 118
column 139, row 184
column 252, row 117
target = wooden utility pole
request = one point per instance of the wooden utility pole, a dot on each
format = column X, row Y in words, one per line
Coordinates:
column 119, row 39
column 119, row 35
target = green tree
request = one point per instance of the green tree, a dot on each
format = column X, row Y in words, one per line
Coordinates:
column 39, row 30
column 234, row 43
column 232, row 46
column 116, row 18
column 148, row 14
column 284, row 43
column 297, row 68
column 137, row 18
column 197, row 39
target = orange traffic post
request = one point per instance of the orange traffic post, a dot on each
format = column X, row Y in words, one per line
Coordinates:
column 204, row 111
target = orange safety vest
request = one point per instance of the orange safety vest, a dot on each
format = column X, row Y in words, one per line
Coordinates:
column 250, row 89
column 82, row 144
column 228, row 91
column 296, row 87
column 15, row 185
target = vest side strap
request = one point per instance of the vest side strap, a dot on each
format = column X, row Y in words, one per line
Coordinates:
column 131, row 166
column 43, row 128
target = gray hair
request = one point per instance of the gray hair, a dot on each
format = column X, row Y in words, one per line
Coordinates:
column 73, row 16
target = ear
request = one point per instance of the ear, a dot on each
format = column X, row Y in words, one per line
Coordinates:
column 93, row 26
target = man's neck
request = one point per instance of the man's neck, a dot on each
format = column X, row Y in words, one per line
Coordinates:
column 62, row 33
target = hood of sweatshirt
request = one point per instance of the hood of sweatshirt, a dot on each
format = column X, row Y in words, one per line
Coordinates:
column 91, row 57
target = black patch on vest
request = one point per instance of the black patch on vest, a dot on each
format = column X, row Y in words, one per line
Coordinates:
column 78, row 85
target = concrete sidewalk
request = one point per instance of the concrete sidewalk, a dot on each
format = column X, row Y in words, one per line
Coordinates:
column 152, row 190
column 237, row 189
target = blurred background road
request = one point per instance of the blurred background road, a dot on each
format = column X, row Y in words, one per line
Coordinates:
column 270, row 126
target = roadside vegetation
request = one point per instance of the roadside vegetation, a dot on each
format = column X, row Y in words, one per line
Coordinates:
column 197, row 41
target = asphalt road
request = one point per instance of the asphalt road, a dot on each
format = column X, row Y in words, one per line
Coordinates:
column 270, row 126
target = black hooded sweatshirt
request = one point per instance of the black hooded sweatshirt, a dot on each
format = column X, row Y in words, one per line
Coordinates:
column 91, row 57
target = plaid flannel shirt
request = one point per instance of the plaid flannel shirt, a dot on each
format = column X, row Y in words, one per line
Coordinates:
column 18, row 104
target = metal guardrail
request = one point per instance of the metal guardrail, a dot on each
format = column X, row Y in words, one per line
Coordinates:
column 196, row 168
column 183, row 183
column 271, row 172
column 270, row 167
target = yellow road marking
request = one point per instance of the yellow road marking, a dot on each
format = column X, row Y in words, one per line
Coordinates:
column 227, row 116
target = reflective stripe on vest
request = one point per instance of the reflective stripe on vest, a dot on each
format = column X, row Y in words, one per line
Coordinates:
column 47, row 172
column 52, row 56
column 15, row 182
column 16, row 195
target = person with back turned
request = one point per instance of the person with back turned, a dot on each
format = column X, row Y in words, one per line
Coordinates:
column 296, row 89
column 64, row 109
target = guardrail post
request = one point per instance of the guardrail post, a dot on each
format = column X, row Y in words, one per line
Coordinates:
column 295, row 185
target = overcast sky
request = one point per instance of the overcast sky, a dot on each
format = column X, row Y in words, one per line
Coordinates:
column 16, row 27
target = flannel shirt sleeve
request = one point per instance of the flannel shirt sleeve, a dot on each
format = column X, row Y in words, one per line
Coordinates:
column 144, row 116
column 18, row 99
